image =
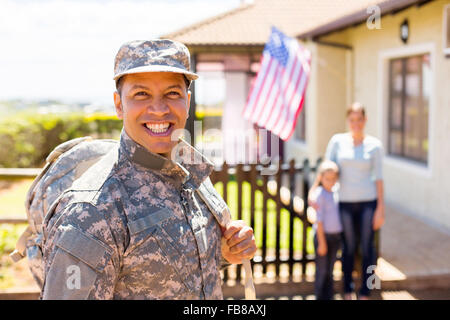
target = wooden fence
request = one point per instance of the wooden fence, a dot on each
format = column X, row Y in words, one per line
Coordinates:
column 287, row 186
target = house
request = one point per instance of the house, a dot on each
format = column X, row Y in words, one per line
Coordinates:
column 390, row 55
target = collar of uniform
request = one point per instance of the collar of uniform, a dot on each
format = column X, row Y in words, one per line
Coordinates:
column 187, row 163
column 198, row 166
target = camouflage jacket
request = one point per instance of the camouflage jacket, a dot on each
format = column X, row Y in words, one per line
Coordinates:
column 132, row 227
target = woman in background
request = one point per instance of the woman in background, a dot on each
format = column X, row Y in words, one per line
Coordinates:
column 361, row 195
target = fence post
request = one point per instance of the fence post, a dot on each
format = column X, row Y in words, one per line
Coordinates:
column 239, row 181
column 306, row 171
column 264, row 231
column 291, row 217
column 278, row 224
column 224, row 176
column 253, row 187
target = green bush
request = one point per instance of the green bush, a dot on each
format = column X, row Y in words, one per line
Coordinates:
column 27, row 139
column 9, row 234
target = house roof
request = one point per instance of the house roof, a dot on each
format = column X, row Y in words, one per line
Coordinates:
column 250, row 24
column 359, row 16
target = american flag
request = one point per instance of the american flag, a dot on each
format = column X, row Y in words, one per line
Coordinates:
column 279, row 90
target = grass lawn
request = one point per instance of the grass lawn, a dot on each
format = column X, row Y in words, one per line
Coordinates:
column 271, row 218
column 12, row 197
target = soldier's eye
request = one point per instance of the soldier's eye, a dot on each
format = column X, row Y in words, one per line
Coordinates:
column 174, row 94
column 141, row 95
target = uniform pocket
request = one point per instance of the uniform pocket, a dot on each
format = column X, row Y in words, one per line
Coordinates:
column 78, row 261
column 85, row 247
column 150, row 239
column 149, row 221
column 142, row 229
column 68, row 278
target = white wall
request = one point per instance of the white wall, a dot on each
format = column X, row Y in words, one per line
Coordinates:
column 422, row 191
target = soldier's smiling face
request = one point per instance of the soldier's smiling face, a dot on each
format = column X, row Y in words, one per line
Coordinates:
column 153, row 105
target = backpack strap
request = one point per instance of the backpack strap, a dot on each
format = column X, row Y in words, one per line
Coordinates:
column 20, row 250
column 221, row 212
column 21, row 244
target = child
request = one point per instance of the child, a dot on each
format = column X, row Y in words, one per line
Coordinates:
column 328, row 229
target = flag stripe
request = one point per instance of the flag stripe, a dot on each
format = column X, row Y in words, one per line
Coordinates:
column 296, row 104
column 289, row 130
column 289, row 91
column 272, row 100
column 267, row 115
column 293, row 103
column 264, row 90
column 288, row 88
column 266, row 62
column 277, row 95
column 275, row 106
column 287, row 134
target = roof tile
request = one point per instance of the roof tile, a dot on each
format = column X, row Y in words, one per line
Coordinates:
column 250, row 24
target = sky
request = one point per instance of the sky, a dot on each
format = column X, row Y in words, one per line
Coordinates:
column 65, row 49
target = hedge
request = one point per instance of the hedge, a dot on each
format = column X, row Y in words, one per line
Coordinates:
column 27, row 139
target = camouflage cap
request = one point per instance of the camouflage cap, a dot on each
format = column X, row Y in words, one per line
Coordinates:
column 159, row 55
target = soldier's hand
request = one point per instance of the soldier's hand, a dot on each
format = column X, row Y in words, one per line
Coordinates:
column 238, row 242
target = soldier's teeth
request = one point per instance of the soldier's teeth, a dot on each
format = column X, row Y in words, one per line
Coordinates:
column 158, row 128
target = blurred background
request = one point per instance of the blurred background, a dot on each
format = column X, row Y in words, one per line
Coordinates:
column 56, row 67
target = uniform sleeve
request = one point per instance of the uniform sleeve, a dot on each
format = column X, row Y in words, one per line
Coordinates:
column 331, row 152
column 378, row 163
column 320, row 204
column 81, row 260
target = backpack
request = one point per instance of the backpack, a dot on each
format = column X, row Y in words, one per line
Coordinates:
column 63, row 166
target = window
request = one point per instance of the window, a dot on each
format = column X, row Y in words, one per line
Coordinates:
column 446, row 29
column 409, row 83
column 300, row 127
column 210, row 92
column 210, row 89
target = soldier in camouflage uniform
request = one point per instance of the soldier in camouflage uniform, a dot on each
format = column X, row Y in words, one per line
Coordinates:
column 133, row 225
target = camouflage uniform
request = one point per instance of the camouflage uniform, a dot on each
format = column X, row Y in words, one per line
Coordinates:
column 134, row 227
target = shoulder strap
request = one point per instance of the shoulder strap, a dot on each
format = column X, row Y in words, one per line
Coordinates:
column 214, row 202
column 221, row 212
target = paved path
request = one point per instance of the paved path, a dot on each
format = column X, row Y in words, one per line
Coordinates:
column 431, row 294
column 414, row 264
column 413, row 250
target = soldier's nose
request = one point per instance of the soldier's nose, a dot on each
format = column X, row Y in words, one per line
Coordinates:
column 158, row 109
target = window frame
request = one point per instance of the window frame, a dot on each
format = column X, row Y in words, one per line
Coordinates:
column 446, row 30
column 384, row 56
column 403, row 96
